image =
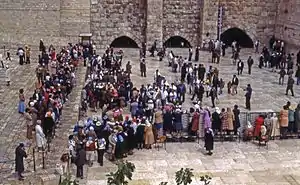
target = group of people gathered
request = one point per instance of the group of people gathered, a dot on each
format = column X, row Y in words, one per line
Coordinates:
column 55, row 80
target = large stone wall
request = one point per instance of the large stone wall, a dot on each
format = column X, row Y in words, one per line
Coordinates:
column 256, row 18
column 209, row 19
column 111, row 19
column 60, row 21
column 182, row 18
column 154, row 26
column 288, row 22
column 74, row 17
column 56, row 22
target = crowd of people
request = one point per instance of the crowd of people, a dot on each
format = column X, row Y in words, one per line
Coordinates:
column 55, row 80
column 155, row 110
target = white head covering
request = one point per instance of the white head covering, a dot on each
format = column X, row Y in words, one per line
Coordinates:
column 217, row 109
column 148, row 123
column 91, row 128
column 197, row 106
column 31, row 104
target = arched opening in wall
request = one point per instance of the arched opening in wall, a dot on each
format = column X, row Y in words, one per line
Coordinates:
column 177, row 42
column 238, row 35
column 124, row 42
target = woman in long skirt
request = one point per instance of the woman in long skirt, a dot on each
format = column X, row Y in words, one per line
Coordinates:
column 28, row 118
column 21, row 102
column 209, row 141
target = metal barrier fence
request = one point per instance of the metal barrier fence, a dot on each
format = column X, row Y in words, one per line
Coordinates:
column 246, row 117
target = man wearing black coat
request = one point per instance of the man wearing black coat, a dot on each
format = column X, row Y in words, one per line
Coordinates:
column 250, row 63
column 20, row 155
column 80, row 161
column 290, row 85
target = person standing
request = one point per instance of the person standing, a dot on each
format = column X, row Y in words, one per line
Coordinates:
column 282, row 73
column 7, row 75
column 149, row 136
column 190, row 54
column 8, row 55
column 240, row 67
column 209, row 141
column 213, row 95
column 28, row 118
column 80, row 161
column 40, row 137
column 248, row 96
column 290, row 85
column 1, row 61
column 27, row 54
column 250, row 63
column 20, row 155
column 101, row 143
column 143, row 67
column 234, row 83
column 21, row 56
column 21, row 101
column 197, row 54
column 256, row 46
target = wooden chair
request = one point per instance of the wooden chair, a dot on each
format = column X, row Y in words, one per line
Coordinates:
column 161, row 141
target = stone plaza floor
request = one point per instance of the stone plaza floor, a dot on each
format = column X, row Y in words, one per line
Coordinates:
column 232, row 163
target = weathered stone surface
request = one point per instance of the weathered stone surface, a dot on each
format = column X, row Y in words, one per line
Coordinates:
column 182, row 18
column 145, row 21
column 288, row 22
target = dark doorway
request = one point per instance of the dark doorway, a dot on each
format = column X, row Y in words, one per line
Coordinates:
column 124, row 42
column 177, row 42
column 238, row 35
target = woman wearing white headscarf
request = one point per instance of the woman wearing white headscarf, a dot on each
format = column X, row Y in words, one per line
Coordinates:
column 275, row 126
column 149, row 136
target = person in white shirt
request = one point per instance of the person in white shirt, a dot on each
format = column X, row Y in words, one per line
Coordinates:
column 101, row 143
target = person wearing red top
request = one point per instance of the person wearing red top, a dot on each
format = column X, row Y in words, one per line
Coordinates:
column 258, row 123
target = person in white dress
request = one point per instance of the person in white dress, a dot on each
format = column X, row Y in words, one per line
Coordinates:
column 275, row 126
column 40, row 136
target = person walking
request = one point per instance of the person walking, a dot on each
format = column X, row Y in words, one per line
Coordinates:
column 20, row 155
column 290, row 85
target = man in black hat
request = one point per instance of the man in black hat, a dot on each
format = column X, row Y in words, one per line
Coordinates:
column 20, row 154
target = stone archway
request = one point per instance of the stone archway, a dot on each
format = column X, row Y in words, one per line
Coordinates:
column 236, row 34
column 124, row 42
column 177, row 42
